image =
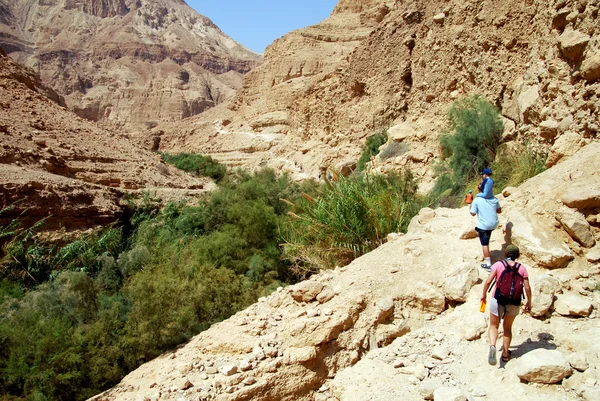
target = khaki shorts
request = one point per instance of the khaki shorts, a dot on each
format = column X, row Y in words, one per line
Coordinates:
column 500, row 311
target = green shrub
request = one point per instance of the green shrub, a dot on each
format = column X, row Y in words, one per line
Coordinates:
column 475, row 132
column 205, row 166
column 371, row 148
column 515, row 169
column 347, row 219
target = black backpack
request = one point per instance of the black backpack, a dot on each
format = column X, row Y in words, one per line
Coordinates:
column 509, row 288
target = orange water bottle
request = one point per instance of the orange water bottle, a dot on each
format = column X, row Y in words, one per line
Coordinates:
column 482, row 306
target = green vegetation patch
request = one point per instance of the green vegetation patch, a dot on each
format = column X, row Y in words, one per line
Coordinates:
column 204, row 166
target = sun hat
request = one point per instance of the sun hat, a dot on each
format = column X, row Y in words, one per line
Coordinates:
column 512, row 251
column 470, row 191
column 487, row 171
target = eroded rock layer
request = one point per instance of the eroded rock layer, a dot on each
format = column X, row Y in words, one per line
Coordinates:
column 53, row 163
column 130, row 62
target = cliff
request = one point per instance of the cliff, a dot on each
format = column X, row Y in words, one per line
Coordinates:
column 132, row 63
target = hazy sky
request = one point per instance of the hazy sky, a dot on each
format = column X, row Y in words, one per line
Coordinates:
column 257, row 23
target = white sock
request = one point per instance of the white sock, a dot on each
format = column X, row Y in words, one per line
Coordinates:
column 488, row 261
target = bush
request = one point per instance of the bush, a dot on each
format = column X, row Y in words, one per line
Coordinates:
column 515, row 169
column 347, row 219
column 476, row 130
column 371, row 148
column 204, row 166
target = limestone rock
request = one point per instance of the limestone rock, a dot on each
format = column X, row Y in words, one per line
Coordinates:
column 299, row 355
column 439, row 18
column 578, row 361
column 508, row 191
column 385, row 308
column 542, row 366
column 427, row 297
column 448, row 394
column 593, row 254
column 306, row 291
column 548, row 129
column 326, row 295
column 566, row 145
column 535, row 243
column 427, row 387
column 572, row 44
column 577, row 226
column 543, row 292
column 386, row 333
column 582, row 198
column 228, row 370
column 469, row 232
column 401, row 132
column 440, row 352
column 459, row 281
column 571, row 304
column 590, row 68
column 527, row 102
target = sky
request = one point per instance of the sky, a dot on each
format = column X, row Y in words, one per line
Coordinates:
column 257, row 23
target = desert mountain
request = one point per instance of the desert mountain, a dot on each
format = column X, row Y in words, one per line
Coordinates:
column 129, row 62
column 399, row 64
column 403, row 322
column 54, row 163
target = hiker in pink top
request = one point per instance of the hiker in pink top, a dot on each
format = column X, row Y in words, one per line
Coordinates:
column 512, row 280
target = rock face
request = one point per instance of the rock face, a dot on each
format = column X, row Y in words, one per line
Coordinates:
column 132, row 62
column 55, row 163
column 382, row 64
column 387, row 332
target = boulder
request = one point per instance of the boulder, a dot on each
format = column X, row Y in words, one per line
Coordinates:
column 527, row 102
column 536, row 243
column 306, row 291
column 385, row 308
column 593, row 254
column 295, row 355
column 576, row 226
column 402, row 132
column 543, row 366
column 590, row 68
column 427, row 297
column 566, row 145
column 578, row 361
column 448, row 394
column 582, row 198
column 543, row 291
column 428, row 387
column 559, row 20
column 548, row 129
column 572, row 44
column 459, row 281
column 571, row 304
column 326, row 295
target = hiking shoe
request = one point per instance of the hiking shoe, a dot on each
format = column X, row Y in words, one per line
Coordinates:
column 492, row 355
column 486, row 267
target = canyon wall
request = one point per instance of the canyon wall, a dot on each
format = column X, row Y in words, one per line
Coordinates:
column 132, row 63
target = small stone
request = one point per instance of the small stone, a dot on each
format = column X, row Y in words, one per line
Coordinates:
column 440, row 352
column 439, row 18
column 248, row 381
column 211, row 370
column 188, row 384
column 245, row 365
column 448, row 394
column 428, row 387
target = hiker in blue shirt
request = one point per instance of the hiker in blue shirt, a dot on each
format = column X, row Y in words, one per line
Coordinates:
column 487, row 185
column 486, row 211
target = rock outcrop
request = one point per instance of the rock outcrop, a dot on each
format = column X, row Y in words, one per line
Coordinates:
column 53, row 163
column 130, row 62
column 402, row 322
column 383, row 64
